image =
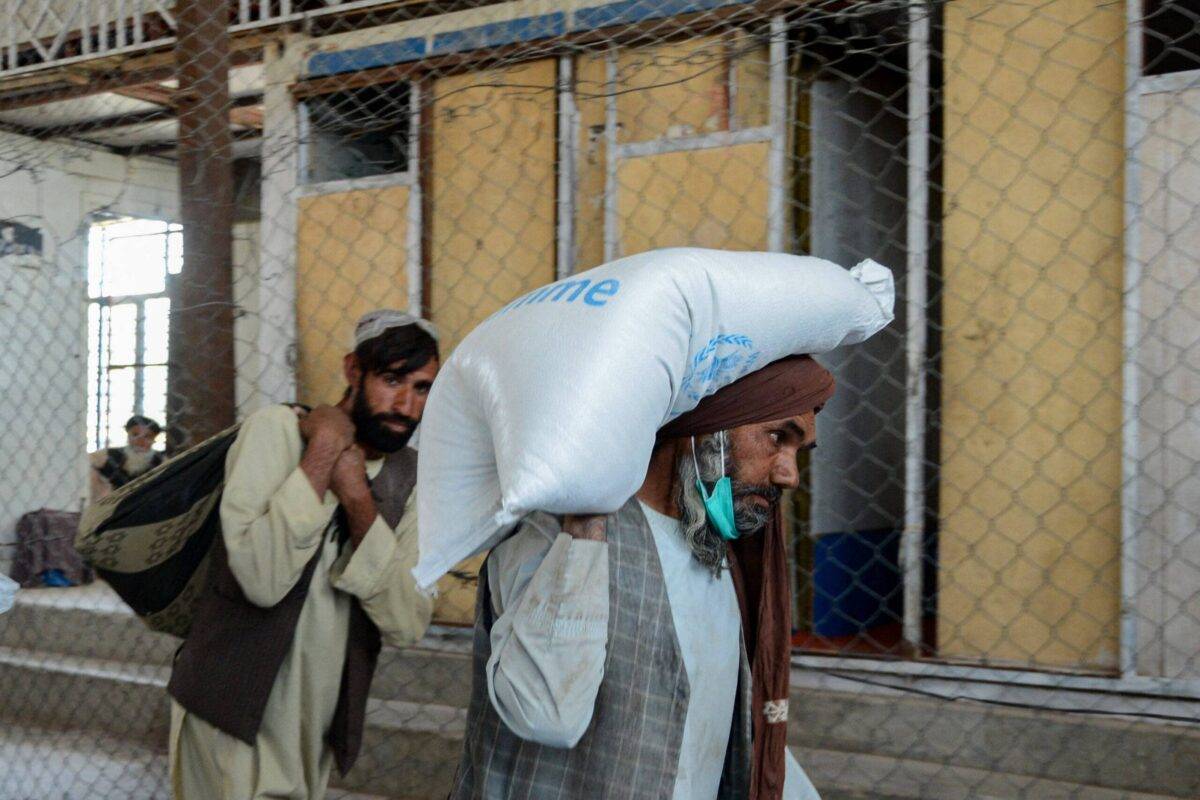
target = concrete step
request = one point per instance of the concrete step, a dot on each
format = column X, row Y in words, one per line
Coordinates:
column 410, row 750
column 91, row 622
column 79, row 653
column 837, row 775
column 857, row 776
column 40, row 764
column 88, row 621
column 1120, row 754
column 118, row 699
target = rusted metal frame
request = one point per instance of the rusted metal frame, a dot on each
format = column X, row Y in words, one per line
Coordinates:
column 201, row 397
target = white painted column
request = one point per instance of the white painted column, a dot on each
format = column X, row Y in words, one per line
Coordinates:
column 568, row 145
column 777, row 206
column 276, row 380
column 415, row 264
column 912, row 537
column 611, row 235
column 1135, row 130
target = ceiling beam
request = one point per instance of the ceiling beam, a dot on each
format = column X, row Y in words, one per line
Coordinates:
column 154, row 93
column 72, row 91
column 79, row 81
column 167, row 148
column 245, row 111
column 83, row 127
column 248, row 116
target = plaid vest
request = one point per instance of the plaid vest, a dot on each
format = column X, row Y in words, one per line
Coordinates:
column 630, row 750
column 226, row 667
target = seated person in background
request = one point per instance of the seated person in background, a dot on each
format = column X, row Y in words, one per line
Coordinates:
column 114, row 467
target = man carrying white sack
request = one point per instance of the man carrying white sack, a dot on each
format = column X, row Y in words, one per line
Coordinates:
column 311, row 570
column 645, row 654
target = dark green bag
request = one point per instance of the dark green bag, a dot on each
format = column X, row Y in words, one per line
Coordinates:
column 150, row 539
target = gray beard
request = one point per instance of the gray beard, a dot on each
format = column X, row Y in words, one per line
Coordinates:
column 137, row 461
column 706, row 544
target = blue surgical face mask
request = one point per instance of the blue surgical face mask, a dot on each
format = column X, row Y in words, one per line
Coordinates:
column 719, row 504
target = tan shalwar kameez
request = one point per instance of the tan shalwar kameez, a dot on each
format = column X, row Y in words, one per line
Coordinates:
column 273, row 523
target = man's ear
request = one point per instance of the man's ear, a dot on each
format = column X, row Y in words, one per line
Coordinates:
column 351, row 370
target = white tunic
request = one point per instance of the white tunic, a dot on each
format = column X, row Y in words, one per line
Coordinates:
column 273, row 523
column 708, row 626
column 550, row 596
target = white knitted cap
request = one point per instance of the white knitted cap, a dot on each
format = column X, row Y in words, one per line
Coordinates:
column 375, row 323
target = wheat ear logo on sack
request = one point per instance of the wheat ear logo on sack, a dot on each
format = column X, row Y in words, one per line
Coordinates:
column 722, row 361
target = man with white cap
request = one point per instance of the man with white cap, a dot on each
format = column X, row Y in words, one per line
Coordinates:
column 310, row 573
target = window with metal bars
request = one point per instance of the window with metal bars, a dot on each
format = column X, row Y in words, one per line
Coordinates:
column 128, row 322
column 356, row 133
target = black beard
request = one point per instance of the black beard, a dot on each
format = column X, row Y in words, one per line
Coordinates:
column 750, row 517
column 370, row 429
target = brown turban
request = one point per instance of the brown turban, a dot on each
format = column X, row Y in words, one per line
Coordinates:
column 785, row 388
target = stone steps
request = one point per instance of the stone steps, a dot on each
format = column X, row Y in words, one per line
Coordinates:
column 91, row 623
column 84, row 663
column 410, row 750
column 39, row 764
column 858, row 776
column 1122, row 754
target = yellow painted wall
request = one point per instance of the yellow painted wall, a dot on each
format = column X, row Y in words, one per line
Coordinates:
column 590, row 89
column 673, row 89
column 493, row 186
column 351, row 255
column 700, row 198
column 493, row 189
column 751, row 95
column 1031, row 400
column 681, row 89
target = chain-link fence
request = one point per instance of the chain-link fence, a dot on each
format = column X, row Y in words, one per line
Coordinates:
column 997, row 543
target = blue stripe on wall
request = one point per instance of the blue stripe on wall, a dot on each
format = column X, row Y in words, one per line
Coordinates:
column 632, row 11
column 525, row 29
column 376, row 55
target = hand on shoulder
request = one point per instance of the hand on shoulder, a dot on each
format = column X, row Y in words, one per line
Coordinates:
column 589, row 528
column 329, row 426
